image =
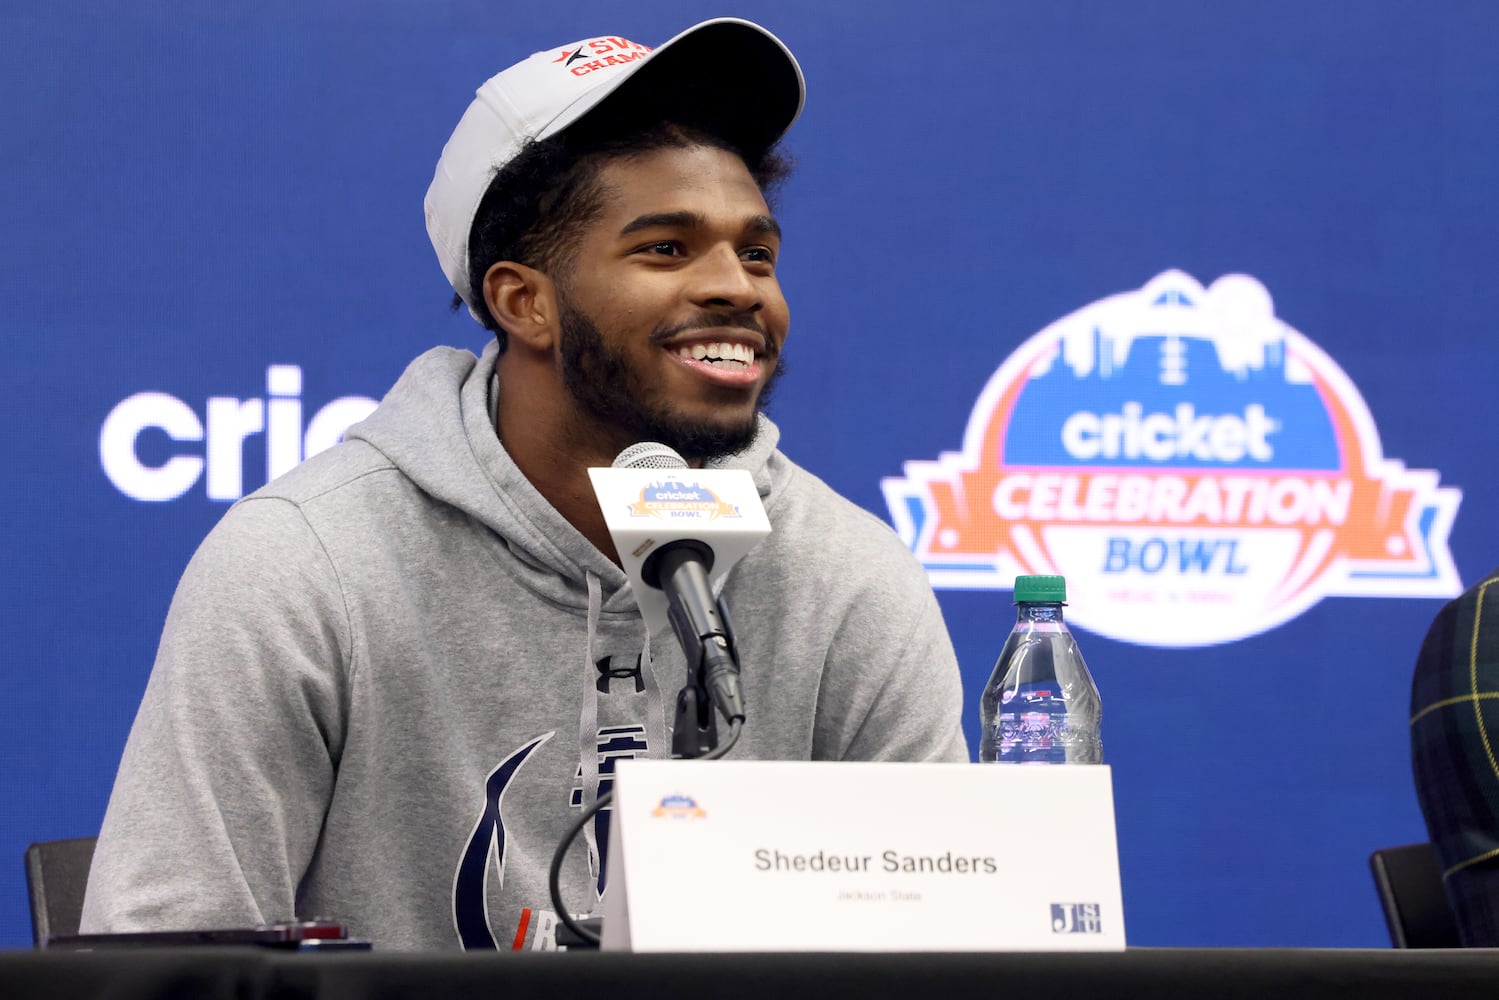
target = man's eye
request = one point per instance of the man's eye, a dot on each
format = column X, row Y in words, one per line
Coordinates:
column 670, row 248
column 760, row 255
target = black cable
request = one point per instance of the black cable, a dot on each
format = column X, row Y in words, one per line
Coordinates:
column 554, row 872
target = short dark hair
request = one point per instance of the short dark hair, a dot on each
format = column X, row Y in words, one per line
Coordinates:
column 539, row 202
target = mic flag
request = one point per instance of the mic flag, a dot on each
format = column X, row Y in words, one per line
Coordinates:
column 650, row 498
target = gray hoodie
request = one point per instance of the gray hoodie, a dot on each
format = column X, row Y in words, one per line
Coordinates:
column 390, row 680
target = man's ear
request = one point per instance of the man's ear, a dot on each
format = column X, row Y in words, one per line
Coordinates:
column 523, row 301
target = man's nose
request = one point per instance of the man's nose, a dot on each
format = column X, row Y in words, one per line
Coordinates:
column 721, row 280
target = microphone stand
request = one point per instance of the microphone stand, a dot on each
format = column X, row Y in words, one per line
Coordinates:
column 694, row 731
column 701, row 623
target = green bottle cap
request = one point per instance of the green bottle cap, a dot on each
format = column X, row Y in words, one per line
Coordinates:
column 1040, row 590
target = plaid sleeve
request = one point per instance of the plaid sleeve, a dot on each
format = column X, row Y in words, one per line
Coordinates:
column 1455, row 754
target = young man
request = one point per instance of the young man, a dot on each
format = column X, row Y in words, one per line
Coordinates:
column 391, row 679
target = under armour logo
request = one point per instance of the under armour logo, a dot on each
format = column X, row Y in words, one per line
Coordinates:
column 608, row 673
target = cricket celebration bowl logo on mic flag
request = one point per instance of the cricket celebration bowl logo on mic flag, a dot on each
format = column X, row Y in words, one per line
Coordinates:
column 675, row 499
column 1177, row 449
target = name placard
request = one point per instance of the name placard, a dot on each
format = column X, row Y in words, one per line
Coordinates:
column 797, row 856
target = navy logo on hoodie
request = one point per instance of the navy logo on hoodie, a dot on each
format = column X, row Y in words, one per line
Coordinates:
column 488, row 840
column 615, row 743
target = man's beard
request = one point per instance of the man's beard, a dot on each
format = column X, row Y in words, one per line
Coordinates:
column 601, row 380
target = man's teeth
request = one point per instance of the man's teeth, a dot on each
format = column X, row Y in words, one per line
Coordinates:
column 725, row 355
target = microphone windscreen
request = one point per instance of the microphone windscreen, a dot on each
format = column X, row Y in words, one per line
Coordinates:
column 649, row 455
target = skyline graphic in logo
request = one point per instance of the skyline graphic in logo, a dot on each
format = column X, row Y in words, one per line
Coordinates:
column 1181, row 450
column 672, row 499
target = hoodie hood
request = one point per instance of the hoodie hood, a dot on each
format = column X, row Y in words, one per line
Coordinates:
column 436, row 426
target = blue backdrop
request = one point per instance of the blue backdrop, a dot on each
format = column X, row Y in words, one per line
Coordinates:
column 195, row 195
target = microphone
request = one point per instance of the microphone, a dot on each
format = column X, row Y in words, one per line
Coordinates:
column 680, row 568
column 677, row 530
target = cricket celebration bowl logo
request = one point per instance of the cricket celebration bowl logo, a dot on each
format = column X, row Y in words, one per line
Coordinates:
column 1177, row 450
column 674, row 499
column 679, row 807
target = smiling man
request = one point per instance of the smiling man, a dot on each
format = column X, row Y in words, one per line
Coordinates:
column 391, row 679
column 660, row 320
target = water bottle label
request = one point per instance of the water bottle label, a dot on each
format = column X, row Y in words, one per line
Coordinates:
column 1033, row 725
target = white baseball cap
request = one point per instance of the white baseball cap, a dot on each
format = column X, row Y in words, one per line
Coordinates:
column 732, row 75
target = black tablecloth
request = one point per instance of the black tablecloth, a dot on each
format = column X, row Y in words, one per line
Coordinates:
column 1281, row 974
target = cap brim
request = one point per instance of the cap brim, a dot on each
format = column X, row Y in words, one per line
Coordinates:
column 727, row 76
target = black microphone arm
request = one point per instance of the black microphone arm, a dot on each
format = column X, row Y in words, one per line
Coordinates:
column 701, row 622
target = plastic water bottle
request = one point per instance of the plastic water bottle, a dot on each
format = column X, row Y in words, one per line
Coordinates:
column 1040, row 705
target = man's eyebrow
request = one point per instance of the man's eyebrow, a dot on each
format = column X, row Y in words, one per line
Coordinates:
column 663, row 220
column 762, row 224
column 766, row 225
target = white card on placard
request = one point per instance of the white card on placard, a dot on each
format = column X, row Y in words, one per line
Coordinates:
column 803, row 856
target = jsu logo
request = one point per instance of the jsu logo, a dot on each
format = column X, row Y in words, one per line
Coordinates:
column 1177, row 448
column 1076, row 918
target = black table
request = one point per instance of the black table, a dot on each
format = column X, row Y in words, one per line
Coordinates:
column 1155, row 973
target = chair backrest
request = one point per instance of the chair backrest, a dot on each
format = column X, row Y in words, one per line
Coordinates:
column 56, row 875
column 1409, row 881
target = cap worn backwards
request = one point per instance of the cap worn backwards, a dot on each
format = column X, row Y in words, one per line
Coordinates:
column 727, row 74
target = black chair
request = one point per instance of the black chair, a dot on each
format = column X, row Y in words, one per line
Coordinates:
column 56, row 875
column 1409, row 881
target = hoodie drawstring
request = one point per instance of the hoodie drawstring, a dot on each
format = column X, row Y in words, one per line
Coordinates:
column 655, row 706
column 588, row 728
column 658, row 737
